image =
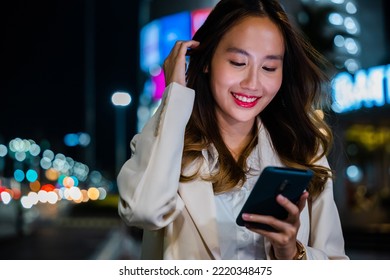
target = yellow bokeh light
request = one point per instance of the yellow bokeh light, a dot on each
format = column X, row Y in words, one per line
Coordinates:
column 369, row 136
column 93, row 193
column 52, row 174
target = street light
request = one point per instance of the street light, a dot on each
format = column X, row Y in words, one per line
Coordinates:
column 120, row 100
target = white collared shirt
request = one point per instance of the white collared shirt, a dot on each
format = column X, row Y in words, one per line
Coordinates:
column 236, row 242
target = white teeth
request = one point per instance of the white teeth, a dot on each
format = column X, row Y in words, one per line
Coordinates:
column 244, row 98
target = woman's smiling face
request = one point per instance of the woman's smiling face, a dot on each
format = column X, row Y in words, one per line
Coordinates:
column 246, row 70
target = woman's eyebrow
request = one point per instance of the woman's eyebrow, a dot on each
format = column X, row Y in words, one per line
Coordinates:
column 238, row 50
column 274, row 57
column 244, row 52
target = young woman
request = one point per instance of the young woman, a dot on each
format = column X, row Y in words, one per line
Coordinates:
column 247, row 101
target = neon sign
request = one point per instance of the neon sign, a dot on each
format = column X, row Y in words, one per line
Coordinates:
column 366, row 88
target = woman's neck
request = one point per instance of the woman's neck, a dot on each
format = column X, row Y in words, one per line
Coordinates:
column 237, row 137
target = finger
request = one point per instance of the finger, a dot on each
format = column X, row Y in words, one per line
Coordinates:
column 177, row 46
column 184, row 46
column 290, row 207
column 282, row 233
column 262, row 219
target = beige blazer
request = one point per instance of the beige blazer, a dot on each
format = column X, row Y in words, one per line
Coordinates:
column 179, row 220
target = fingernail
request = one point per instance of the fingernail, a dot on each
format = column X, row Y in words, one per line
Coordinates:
column 246, row 216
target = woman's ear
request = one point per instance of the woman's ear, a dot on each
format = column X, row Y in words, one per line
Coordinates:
column 206, row 69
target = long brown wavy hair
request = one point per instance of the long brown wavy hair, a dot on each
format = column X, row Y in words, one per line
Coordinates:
column 298, row 134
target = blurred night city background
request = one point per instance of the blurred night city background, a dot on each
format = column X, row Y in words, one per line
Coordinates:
column 63, row 135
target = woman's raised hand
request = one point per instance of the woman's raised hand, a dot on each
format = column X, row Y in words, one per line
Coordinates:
column 175, row 63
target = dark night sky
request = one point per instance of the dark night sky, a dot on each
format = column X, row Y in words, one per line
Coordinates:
column 42, row 64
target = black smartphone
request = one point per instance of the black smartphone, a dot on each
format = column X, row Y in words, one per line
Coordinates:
column 290, row 182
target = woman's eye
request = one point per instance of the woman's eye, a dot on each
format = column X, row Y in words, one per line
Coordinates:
column 237, row 63
column 269, row 69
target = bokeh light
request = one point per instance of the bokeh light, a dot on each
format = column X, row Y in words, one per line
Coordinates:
column 44, row 177
column 19, row 175
column 93, row 193
column 31, row 175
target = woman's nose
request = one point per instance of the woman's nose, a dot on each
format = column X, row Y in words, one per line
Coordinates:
column 250, row 80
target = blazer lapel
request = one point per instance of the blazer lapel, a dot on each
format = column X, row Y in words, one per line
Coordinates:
column 198, row 197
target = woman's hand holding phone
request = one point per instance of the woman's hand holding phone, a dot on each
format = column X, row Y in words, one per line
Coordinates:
column 283, row 239
column 274, row 205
